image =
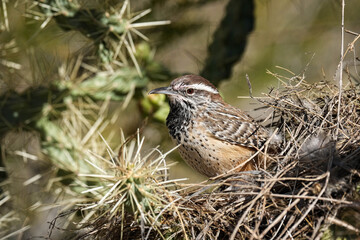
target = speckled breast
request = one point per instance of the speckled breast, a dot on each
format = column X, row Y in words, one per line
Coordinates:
column 207, row 154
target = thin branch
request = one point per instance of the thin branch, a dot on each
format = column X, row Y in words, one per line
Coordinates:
column 341, row 66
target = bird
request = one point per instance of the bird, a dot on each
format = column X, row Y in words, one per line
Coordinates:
column 213, row 136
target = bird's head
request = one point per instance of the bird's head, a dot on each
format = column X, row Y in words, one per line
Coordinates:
column 191, row 89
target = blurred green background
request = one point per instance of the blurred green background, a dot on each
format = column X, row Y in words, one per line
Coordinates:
column 39, row 51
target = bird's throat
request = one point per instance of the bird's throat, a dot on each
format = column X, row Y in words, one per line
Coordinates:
column 179, row 118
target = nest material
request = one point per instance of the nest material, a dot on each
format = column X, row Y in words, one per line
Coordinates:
column 313, row 177
column 307, row 188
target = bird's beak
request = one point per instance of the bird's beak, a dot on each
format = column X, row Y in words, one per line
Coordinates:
column 163, row 90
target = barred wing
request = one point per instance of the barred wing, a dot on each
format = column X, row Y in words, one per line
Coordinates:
column 234, row 126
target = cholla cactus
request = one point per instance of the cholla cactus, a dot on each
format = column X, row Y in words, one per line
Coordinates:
column 111, row 29
column 127, row 189
column 110, row 188
column 66, row 113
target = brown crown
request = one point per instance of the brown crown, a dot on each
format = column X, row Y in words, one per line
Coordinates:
column 192, row 79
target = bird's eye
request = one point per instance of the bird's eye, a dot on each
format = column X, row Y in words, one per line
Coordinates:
column 190, row 91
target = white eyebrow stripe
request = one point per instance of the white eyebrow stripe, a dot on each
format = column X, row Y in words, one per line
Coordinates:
column 200, row 86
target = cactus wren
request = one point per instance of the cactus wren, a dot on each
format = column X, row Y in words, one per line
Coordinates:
column 214, row 137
